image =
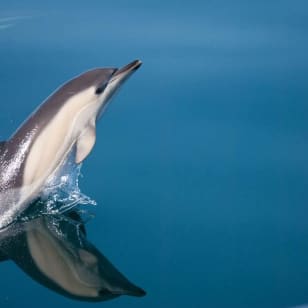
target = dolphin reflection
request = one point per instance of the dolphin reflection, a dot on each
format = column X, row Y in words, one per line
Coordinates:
column 54, row 251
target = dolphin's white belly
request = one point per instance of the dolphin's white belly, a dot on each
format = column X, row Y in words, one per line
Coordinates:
column 55, row 142
column 50, row 151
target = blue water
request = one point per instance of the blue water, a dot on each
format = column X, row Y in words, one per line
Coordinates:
column 200, row 169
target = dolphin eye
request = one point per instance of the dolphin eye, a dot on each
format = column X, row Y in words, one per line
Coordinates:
column 101, row 89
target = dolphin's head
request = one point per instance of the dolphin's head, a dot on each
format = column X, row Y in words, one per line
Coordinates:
column 91, row 91
column 111, row 78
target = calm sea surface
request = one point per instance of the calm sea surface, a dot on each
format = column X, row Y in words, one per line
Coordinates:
column 200, row 169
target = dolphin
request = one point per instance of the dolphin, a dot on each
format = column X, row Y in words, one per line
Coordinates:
column 63, row 124
column 54, row 251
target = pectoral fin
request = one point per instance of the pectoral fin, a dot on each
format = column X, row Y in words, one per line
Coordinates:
column 85, row 143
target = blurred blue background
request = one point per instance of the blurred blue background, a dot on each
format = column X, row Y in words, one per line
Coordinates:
column 200, row 169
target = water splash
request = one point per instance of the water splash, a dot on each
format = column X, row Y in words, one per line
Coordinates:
column 61, row 193
column 64, row 191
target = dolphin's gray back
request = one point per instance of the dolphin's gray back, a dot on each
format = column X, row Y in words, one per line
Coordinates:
column 13, row 153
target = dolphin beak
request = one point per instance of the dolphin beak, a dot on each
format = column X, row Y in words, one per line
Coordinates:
column 124, row 72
